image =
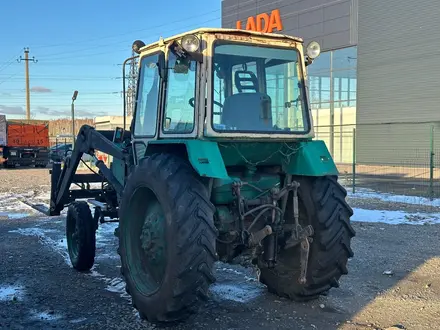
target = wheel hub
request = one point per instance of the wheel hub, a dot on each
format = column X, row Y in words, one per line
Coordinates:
column 153, row 239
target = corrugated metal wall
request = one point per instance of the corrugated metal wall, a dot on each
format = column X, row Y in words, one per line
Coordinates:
column 333, row 23
column 398, row 79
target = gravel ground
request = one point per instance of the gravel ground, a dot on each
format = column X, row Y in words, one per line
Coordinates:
column 40, row 290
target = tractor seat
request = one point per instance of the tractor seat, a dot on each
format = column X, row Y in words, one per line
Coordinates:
column 245, row 112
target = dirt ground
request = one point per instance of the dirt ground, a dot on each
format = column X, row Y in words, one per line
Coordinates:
column 40, row 290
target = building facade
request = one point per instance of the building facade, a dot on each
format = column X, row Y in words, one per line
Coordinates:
column 332, row 77
column 376, row 73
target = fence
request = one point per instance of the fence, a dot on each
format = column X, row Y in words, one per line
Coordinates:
column 395, row 158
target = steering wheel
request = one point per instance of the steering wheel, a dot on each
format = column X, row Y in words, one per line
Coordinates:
column 191, row 103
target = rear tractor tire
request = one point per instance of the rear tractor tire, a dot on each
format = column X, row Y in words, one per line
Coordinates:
column 322, row 205
column 80, row 233
column 166, row 239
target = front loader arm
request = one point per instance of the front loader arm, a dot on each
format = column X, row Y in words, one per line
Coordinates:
column 88, row 140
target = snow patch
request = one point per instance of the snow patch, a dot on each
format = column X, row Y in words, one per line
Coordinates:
column 241, row 292
column 386, row 197
column 8, row 293
column 82, row 319
column 45, row 316
column 94, row 273
column 12, row 207
column 107, row 256
column 106, row 229
column 395, row 217
column 44, row 196
column 7, row 215
column 117, row 285
column 230, row 270
column 105, row 237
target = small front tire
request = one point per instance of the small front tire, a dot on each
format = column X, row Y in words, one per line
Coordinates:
column 80, row 233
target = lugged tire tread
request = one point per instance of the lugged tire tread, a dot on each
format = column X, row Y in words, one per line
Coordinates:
column 80, row 210
column 196, row 235
column 330, row 250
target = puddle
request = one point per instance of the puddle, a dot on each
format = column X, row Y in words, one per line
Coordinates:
column 8, row 293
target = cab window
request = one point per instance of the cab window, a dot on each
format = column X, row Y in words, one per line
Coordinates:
column 147, row 97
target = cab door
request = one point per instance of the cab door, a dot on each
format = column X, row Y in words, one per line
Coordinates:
column 148, row 103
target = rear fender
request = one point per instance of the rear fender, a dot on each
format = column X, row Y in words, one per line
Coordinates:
column 311, row 159
column 204, row 156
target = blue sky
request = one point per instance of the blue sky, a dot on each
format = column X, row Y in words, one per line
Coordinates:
column 80, row 46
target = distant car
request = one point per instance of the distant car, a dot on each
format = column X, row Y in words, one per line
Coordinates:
column 59, row 152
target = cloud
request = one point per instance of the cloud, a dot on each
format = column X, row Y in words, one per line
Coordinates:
column 40, row 89
column 44, row 110
column 7, row 110
column 88, row 113
column 67, row 113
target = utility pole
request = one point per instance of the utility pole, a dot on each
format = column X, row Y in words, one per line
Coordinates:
column 26, row 60
column 132, row 82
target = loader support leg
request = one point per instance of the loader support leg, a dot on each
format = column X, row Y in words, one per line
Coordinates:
column 54, row 178
column 110, row 177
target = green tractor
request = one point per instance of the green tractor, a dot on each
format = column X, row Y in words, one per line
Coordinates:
column 219, row 162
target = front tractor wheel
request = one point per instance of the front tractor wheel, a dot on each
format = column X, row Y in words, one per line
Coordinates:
column 321, row 205
column 80, row 234
column 166, row 238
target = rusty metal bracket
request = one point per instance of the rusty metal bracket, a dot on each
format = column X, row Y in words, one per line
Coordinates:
column 257, row 237
column 300, row 235
column 305, row 249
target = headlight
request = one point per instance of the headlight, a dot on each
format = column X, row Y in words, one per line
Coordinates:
column 313, row 49
column 190, row 43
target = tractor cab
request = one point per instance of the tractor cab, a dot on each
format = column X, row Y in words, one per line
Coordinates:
column 222, row 83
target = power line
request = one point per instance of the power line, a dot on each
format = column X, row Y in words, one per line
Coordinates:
column 52, row 94
column 92, row 91
column 9, row 62
column 125, row 41
column 127, row 33
column 69, row 79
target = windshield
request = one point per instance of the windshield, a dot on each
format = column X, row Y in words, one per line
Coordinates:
column 258, row 89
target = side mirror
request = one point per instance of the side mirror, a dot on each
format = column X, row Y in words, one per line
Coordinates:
column 181, row 65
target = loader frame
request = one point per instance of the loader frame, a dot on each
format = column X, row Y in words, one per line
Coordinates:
column 88, row 141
